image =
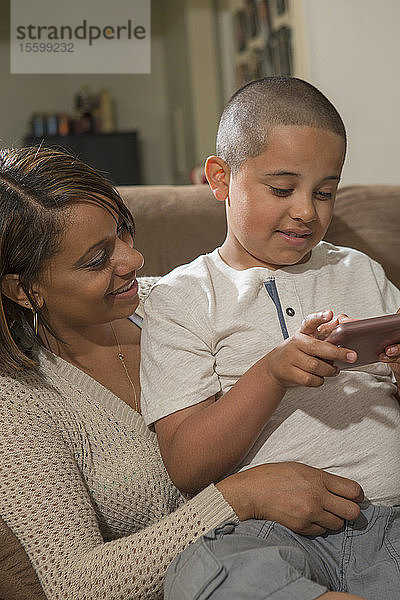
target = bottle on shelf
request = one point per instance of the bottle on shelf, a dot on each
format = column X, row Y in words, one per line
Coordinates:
column 38, row 125
column 85, row 104
column 105, row 114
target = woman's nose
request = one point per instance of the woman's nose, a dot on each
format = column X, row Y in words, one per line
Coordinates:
column 139, row 259
column 128, row 259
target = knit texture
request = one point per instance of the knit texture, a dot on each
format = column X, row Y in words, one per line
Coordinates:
column 83, row 487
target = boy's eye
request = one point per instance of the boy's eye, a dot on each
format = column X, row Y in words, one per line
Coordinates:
column 280, row 191
column 324, row 195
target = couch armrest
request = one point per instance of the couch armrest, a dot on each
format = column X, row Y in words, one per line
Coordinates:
column 18, row 579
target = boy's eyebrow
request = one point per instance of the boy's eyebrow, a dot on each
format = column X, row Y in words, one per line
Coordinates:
column 283, row 173
column 279, row 173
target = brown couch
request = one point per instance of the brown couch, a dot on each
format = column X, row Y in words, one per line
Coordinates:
column 177, row 223
column 174, row 225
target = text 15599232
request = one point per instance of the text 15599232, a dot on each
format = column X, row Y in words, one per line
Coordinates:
column 46, row 47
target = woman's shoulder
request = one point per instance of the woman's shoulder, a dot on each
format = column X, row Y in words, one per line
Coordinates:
column 23, row 405
column 30, row 396
column 19, row 385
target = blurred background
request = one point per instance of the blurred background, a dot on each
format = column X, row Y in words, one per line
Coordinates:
column 159, row 128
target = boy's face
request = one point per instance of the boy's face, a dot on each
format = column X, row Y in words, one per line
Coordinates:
column 280, row 203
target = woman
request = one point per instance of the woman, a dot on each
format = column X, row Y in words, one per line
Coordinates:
column 82, row 483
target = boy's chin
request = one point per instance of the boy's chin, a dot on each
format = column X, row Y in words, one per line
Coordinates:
column 305, row 259
column 291, row 262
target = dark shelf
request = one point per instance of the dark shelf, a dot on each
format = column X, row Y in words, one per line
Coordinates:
column 116, row 155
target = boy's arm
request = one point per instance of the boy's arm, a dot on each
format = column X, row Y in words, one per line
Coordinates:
column 203, row 443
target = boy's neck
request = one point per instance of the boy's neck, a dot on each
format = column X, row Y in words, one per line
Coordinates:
column 234, row 259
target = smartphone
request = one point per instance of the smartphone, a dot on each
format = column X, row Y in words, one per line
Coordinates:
column 368, row 337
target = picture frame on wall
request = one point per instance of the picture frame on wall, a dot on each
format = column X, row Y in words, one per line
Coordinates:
column 280, row 47
column 240, row 30
column 253, row 25
column 281, row 6
column 263, row 42
column 264, row 16
column 242, row 74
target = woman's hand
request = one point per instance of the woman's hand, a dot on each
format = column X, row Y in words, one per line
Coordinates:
column 304, row 499
column 305, row 359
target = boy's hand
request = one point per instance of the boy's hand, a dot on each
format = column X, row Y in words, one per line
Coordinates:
column 326, row 328
column 392, row 356
column 304, row 359
column 304, row 499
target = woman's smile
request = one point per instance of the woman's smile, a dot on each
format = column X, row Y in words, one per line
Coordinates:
column 129, row 290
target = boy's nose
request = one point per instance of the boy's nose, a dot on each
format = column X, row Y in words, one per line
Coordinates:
column 303, row 209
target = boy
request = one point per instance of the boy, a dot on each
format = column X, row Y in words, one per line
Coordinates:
column 239, row 368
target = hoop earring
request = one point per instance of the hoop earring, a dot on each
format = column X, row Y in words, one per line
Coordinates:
column 35, row 321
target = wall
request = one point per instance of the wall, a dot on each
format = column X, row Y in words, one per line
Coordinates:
column 177, row 72
column 352, row 52
column 193, row 81
column 141, row 100
column 348, row 48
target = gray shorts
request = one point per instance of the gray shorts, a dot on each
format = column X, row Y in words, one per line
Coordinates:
column 256, row 560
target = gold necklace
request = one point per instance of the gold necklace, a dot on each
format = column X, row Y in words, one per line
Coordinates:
column 122, row 359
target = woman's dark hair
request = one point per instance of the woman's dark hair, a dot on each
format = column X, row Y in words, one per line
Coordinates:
column 37, row 185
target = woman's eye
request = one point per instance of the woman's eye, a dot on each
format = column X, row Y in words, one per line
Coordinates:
column 324, row 195
column 125, row 233
column 99, row 261
column 280, row 191
column 121, row 229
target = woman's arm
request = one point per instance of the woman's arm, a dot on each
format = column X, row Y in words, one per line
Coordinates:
column 46, row 503
column 302, row 498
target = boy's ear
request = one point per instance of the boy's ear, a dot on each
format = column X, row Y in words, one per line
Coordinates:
column 218, row 176
column 12, row 288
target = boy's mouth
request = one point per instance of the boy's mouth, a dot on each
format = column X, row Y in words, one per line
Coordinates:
column 294, row 238
column 295, row 234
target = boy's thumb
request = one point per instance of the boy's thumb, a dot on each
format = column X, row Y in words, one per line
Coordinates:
column 311, row 323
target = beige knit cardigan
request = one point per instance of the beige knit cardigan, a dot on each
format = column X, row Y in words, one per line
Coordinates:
column 84, row 489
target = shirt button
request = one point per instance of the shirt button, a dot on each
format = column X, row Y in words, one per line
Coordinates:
column 290, row 311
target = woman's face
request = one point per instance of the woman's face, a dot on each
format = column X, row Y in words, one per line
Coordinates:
column 92, row 279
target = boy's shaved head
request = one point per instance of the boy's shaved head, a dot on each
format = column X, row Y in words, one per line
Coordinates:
column 261, row 105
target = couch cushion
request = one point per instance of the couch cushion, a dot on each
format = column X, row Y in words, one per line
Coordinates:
column 368, row 218
column 174, row 223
